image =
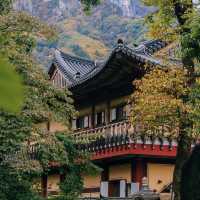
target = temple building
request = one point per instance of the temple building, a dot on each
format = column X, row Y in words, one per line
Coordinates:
column 101, row 92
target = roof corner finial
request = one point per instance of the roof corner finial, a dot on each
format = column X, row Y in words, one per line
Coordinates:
column 120, row 41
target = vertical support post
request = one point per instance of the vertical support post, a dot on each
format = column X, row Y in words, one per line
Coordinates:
column 62, row 177
column 104, row 189
column 93, row 116
column 105, row 174
column 48, row 126
column 44, row 185
column 138, row 170
column 108, row 112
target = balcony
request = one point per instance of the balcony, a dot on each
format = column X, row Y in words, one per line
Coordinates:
column 118, row 138
column 115, row 129
column 122, row 134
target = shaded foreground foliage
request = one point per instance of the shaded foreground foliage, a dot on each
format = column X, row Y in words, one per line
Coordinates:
column 42, row 104
column 190, row 178
column 169, row 97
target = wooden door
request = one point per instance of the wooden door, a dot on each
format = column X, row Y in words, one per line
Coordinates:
column 114, row 188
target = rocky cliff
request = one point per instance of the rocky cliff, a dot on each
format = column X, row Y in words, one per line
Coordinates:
column 56, row 10
column 89, row 36
column 132, row 8
column 50, row 10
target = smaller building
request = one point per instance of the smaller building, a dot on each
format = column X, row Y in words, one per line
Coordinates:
column 101, row 91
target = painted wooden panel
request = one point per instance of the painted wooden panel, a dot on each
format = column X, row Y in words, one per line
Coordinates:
column 118, row 172
column 92, row 181
column 159, row 175
column 85, row 111
column 118, row 101
column 100, row 107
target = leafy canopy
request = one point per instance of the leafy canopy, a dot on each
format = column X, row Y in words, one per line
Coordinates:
column 10, row 86
column 170, row 107
column 159, row 104
column 42, row 104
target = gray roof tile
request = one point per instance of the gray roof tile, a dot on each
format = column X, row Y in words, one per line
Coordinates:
column 70, row 65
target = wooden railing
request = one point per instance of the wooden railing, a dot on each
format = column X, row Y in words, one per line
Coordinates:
column 117, row 134
column 110, row 130
column 112, row 135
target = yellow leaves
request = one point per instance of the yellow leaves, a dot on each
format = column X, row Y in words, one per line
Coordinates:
column 169, row 80
column 168, row 22
column 159, row 30
column 22, row 23
column 157, row 100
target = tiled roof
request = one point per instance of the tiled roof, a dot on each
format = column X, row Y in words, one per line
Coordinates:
column 70, row 66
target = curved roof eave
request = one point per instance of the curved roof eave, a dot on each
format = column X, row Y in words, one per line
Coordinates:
column 126, row 50
column 70, row 65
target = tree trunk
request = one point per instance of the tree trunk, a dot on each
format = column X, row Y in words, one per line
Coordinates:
column 185, row 140
column 183, row 152
column 184, row 143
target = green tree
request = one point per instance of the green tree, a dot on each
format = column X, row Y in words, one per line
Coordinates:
column 42, row 104
column 5, row 6
column 10, row 85
column 9, row 80
column 89, row 3
column 174, row 21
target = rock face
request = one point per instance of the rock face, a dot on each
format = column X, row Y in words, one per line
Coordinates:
column 88, row 36
column 132, row 8
column 49, row 10
column 56, row 10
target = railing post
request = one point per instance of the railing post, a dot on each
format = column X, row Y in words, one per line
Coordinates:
column 116, row 130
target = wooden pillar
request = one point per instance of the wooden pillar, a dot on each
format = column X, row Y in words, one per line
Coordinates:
column 48, row 126
column 105, row 174
column 104, row 190
column 93, row 116
column 138, row 170
column 44, row 186
column 62, row 177
column 107, row 112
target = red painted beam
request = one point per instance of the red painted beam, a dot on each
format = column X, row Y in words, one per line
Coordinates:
column 138, row 149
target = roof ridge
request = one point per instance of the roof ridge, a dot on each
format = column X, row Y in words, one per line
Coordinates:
column 75, row 58
column 70, row 64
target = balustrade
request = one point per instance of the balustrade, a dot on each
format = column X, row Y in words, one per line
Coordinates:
column 113, row 135
column 107, row 131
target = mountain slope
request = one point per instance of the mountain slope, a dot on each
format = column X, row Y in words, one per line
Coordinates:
column 90, row 36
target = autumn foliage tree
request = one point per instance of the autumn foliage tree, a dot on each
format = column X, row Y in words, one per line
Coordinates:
column 157, row 101
column 169, row 97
